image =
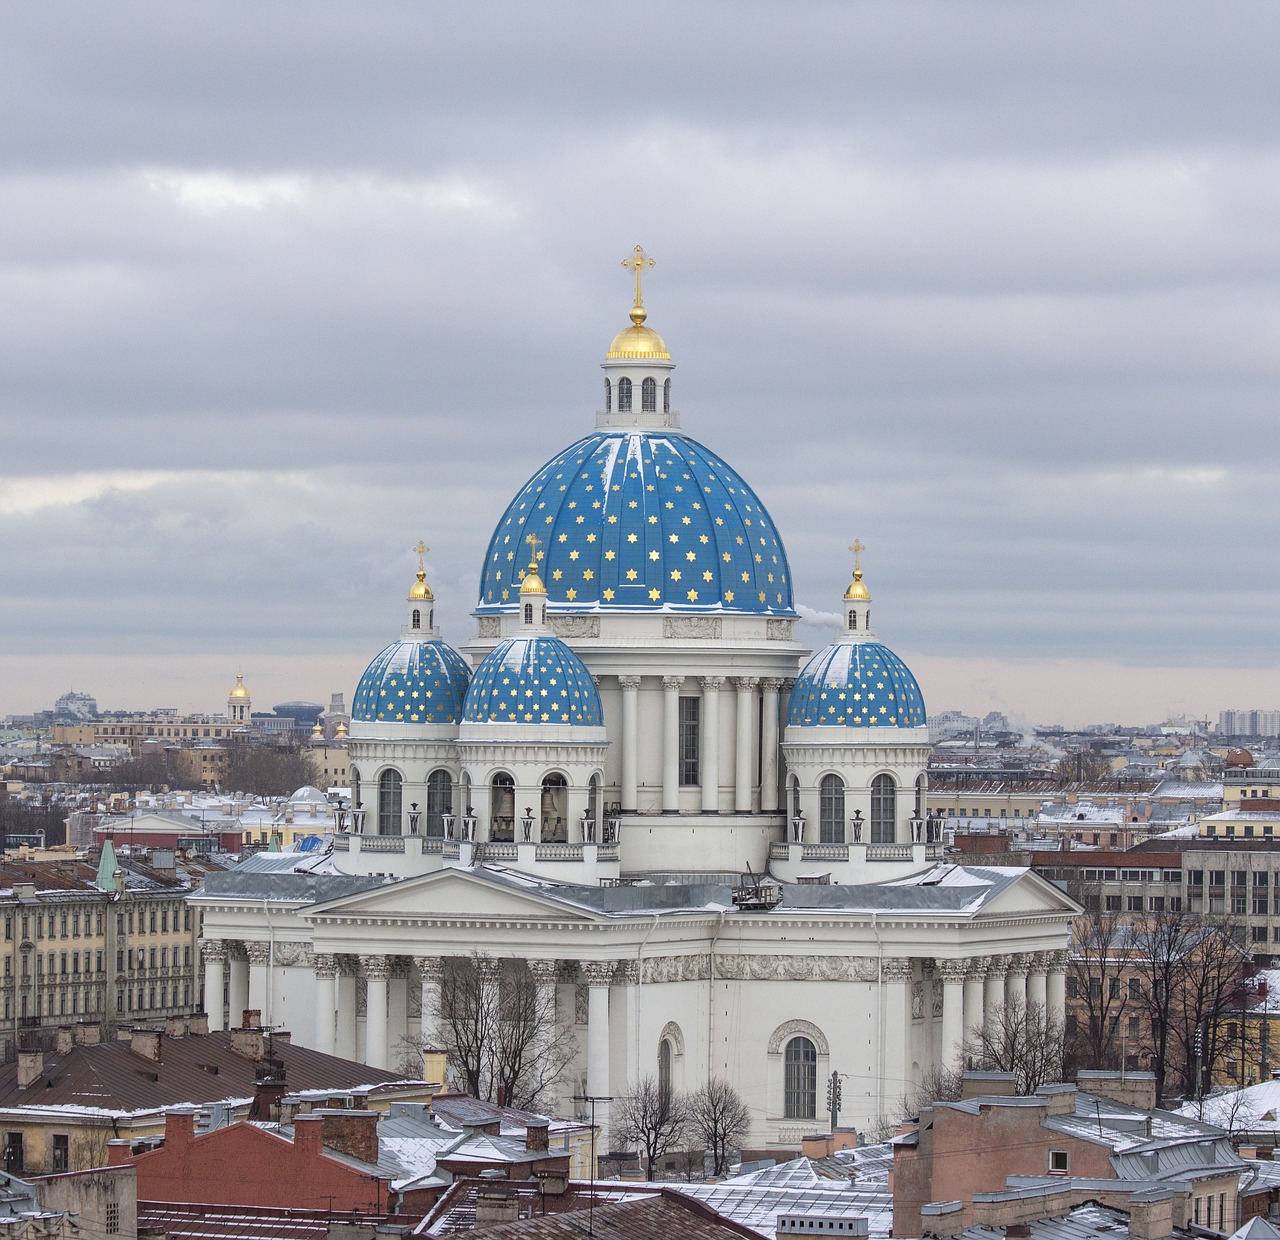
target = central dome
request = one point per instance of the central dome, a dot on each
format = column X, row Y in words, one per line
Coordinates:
column 639, row 520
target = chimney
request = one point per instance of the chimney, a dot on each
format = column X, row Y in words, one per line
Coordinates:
column 1151, row 1215
column 251, row 1018
column 495, row 1201
column 1017, row 1231
column 30, row 1067
column 86, row 1033
column 175, row 1026
column 248, row 1042
column 535, row 1135
column 435, row 1066
column 1135, row 1089
column 354, row 1133
column 308, row 1133
column 145, row 1042
column 198, row 1025
column 988, row 1084
column 269, row 1091
column 124, row 1034
column 63, row 1041
column 179, row 1126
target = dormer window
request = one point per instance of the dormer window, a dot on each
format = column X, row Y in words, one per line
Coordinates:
column 416, row 619
column 649, row 396
column 608, row 397
column 624, row 395
column 666, row 397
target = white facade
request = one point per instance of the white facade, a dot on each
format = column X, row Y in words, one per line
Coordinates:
column 603, row 839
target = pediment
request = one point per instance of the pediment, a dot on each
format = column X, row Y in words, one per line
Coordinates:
column 1029, row 893
column 453, row 894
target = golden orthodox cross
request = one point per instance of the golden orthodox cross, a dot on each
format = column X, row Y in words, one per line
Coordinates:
column 422, row 550
column 857, row 548
column 638, row 261
column 533, row 540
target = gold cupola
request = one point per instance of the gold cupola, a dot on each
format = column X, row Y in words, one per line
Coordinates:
column 531, row 582
column 238, row 690
column 420, row 592
column 638, row 341
column 857, row 591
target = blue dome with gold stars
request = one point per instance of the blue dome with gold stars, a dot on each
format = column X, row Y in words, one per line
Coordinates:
column 413, row 682
column 856, row 685
column 640, row 520
column 533, row 678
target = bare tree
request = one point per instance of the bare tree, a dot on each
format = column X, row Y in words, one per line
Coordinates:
column 1191, row 966
column 718, row 1115
column 653, row 1117
column 1098, row 986
column 499, row 1028
column 268, row 772
column 1025, row 1039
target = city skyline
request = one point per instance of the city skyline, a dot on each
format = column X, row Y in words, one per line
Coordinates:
column 993, row 295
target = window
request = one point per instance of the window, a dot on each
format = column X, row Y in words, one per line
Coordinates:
column 502, row 808
column 624, row 395
column 439, row 801
column 1258, row 934
column 1259, row 903
column 528, row 613
column 831, row 810
column 1156, row 904
column 664, row 1065
column 1133, row 904
column 1113, row 904
column 417, row 619
column 1135, row 1026
column 1135, row 988
column 390, row 794
column 690, row 718
column 1058, row 1163
column 853, row 622
column 1073, row 987
column 1095, row 988
column 649, row 396
column 61, row 1160
column 666, row 397
column 1238, row 905
column 800, row 1079
column 14, row 1161
column 1113, row 988
column 356, row 802
column 608, row 397
column 113, row 1218
column 884, row 800
column 1239, row 877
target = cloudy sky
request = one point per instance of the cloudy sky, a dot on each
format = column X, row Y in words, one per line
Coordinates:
column 286, row 285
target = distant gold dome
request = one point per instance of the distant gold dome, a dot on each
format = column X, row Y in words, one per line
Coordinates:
column 532, row 583
column 238, row 690
column 638, row 341
column 857, row 591
column 420, row 592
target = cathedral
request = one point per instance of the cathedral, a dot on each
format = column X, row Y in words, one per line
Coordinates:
column 709, row 847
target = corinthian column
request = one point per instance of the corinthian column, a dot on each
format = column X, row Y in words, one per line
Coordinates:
column 744, row 767
column 377, row 972
column 994, row 998
column 326, row 969
column 630, row 740
column 1037, row 987
column 671, row 743
column 598, row 975
column 895, row 979
column 215, row 965
column 1056, row 983
column 953, row 979
column 259, row 954
column 431, row 971
column 710, row 772
column 769, row 745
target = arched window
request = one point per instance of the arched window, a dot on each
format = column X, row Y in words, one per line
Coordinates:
column 884, row 808
column 355, row 787
column 831, row 810
column 502, row 808
column 528, row 613
column 593, row 809
column 800, row 1080
column 439, row 801
column 608, row 397
column 417, row 619
column 922, row 787
column 664, row 1065
column 853, row 621
column 390, row 793
column 624, row 395
column 666, row 397
column 553, row 809
column 649, row 396
column 795, row 797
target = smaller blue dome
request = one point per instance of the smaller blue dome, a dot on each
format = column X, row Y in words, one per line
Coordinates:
column 533, row 679
column 856, row 685
column 413, row 682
